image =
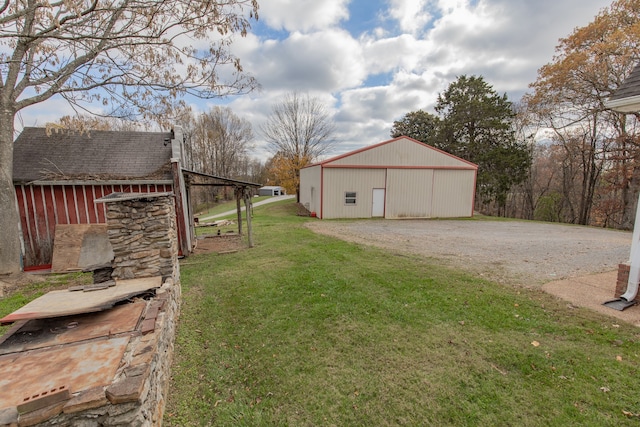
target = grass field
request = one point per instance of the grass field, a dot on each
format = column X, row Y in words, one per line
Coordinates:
column 227, row 206
column 307, row 330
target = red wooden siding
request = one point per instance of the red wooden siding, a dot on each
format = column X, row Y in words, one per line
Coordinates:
column 41, row 207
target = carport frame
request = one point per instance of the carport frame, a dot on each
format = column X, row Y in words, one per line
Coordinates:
column 242, row 191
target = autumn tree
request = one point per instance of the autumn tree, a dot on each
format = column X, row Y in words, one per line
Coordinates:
column 128, row 57
column 475, row 124
column 299, row 129
column 569, row 97
column 283, row 170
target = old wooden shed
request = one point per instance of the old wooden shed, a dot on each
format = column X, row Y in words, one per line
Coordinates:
column 398, row 178
column 58, row 174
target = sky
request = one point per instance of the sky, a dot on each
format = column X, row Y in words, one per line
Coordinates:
column 372, row 61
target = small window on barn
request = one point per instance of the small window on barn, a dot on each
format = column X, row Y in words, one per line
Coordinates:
column 350, row 198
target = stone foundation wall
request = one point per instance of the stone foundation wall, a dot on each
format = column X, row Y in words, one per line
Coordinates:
column 137, row 395
column 143, row 235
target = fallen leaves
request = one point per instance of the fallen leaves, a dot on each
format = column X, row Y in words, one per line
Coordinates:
column 535, row 343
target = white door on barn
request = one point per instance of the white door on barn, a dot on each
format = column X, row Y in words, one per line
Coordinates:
column 377, row 208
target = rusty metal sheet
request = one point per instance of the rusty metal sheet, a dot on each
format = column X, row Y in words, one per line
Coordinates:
column 40, row 333
column 75, row 367
column 66, row 303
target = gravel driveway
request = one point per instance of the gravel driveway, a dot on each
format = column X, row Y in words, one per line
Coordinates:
column 515, row 252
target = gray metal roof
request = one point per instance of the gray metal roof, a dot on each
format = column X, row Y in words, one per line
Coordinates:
column 95, row 155
column 626, row 99
column 630, row 87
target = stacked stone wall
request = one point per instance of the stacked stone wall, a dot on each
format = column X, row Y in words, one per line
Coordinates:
column 143, row 235
column 136, row 397
column 144, row 239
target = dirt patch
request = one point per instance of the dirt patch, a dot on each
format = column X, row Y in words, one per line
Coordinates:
column 512, row 252
column 219, row 244
column 9, row 283
column 32, row 283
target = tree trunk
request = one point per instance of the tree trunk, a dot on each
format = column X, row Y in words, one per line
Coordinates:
column 9, row 219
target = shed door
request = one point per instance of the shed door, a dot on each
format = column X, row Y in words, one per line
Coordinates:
column 377, row 209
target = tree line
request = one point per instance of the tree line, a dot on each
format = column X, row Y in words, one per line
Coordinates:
column 559, row 154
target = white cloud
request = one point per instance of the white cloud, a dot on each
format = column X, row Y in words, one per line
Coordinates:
column 488, row 38
column 39, row 115
column 329, row 61
column 412, row 15
column 388, row 54
column 390, row 70
column 302, row 15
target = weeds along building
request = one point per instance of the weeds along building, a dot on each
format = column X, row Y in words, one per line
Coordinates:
column 399, row 178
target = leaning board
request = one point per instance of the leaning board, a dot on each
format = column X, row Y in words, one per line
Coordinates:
column 78, row 246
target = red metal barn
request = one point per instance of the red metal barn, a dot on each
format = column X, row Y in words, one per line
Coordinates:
column 58, row 174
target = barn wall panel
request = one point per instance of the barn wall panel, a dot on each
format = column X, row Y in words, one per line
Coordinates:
column 23, row 210
column 40, row 213
column 453, row 193
column 48, row 209
column 409, row 193
column 338, row 181
column 401, row 153
column 310, row 188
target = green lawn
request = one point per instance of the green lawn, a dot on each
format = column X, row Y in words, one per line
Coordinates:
column 22, row 294
column 308, row 330
column 227, row 206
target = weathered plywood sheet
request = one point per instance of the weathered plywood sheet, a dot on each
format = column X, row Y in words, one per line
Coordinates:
column 79, row 246
column 67, row 303
column 75, row 367
column 41, row 333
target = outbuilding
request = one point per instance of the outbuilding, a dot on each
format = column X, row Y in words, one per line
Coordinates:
column 59, row 174
column 271, row 190
column 398, row 178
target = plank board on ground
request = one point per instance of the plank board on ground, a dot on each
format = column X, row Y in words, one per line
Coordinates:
column 67, row 303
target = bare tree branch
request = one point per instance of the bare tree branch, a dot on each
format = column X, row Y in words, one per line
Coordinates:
column 130, row 57
column 299, row 130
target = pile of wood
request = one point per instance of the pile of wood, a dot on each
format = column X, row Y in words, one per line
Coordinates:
column 219, row 223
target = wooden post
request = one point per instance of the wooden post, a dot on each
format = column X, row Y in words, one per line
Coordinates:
column 247, row 209
column 239, row 192
column 634, row 258
column 184, row 240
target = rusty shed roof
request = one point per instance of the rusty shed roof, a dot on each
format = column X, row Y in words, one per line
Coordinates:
column 40, row 155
